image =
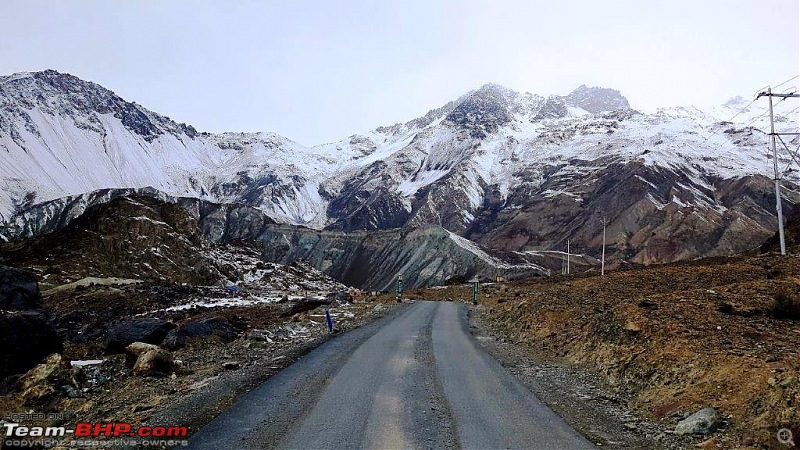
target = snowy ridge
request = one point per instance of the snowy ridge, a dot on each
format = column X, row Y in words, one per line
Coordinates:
column 61, row 136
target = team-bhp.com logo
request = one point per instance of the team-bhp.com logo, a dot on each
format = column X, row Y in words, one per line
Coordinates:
column 85, row 429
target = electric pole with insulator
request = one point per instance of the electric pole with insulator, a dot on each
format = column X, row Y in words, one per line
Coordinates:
column 772, row 137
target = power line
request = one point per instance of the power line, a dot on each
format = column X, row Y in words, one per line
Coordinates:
column 792, row 111
column 764, row 113
column 741, row 110
column 772, row 135
column 790, row 79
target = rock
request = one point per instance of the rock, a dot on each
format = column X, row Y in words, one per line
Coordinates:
column 137, row 348
column 151, row 331
column 306, row 304
column 379, row 308
column 151, row 360
column 230, row 365
column 709, row 444
column 259, row 335
column 19, row 289
column 701, row 422
column 340, row 297
column 632, row 327
column 70, row 391
column 43, row 379
column 26, row 337
column 217, row 328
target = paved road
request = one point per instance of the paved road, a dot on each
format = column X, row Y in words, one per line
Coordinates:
column 415, row 380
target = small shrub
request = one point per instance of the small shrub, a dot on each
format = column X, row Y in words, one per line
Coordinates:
column 786, row 306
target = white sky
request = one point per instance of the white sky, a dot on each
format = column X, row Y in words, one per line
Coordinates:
column 319, row 71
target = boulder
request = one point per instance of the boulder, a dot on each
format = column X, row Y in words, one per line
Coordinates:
column 43, row 380
column 340, row 297
column 122, row 334
column 26, row 337
column 231, row 365
column 702, row 422
column 19, row 289
column 137, row 348
column 306, row 304
column 217, row 328
column 152, row 360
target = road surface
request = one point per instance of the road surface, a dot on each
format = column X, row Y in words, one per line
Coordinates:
column 414, row 380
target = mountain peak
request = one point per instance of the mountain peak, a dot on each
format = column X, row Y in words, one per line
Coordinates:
column 494, row 89
column 597, row 99
column 483, row 110
column 64, row 94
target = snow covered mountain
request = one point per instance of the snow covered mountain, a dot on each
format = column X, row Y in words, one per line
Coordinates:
column 512, row 171
column 60, row 135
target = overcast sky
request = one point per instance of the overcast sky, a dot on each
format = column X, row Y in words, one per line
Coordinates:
column 319, row 71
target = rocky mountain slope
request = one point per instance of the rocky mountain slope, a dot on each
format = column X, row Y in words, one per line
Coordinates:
column 148, row 235
column 423, row 256
column 141, row 238
column 511, row 171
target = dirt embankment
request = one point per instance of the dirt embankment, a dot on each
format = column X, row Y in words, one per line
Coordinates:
column 210, row 374
column 720, row 333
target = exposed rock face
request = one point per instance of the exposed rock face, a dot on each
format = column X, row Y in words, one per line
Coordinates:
column 482, row 111
column 218, row 222
column 553, row 108
column 657, row 218
column 596, row 100
column 26, row 337
column 19, row 289
column 141, row 236
column 149, row 331
column 212, row 328
column 372, row 260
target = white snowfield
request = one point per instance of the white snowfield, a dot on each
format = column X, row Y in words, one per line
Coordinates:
column 52, row 144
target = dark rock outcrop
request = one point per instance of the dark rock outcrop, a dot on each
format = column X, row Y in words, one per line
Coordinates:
column 425, row 256
column 482, row 111
column 150, row 331
column 19, row 289
column 211, row 328
column 26, row 337
column 306, row 304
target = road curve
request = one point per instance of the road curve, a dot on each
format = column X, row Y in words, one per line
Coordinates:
column 417, row 380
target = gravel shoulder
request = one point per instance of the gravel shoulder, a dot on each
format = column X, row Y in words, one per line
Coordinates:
column 590, row 406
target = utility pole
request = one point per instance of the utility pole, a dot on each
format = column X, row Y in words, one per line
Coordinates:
column 772, row 137
column 567, row 256
column 603, row 258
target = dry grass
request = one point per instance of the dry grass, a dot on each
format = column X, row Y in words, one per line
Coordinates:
column 718, row 333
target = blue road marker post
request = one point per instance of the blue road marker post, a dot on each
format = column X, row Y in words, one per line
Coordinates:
column 329, row 319
column 475, row 291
